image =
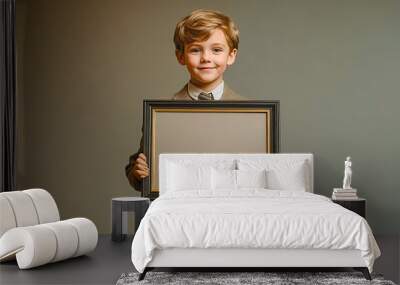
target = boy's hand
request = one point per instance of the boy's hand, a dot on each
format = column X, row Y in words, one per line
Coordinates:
column 141, row 169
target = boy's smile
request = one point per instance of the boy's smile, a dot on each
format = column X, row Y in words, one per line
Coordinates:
column 207, row 60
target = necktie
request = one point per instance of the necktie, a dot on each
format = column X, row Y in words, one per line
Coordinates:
column 206, row 96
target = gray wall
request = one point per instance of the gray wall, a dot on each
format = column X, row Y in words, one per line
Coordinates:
column 88, row 64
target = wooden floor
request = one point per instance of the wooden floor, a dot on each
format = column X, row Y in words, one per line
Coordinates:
column 111, row 259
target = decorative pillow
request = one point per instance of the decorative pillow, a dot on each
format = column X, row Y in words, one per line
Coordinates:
column 281, row 174
column 287, row 179
column 223, row 179
column 251, row 178
column 181, row 177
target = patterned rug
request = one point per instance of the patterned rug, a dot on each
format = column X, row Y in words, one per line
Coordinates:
column 244, row 278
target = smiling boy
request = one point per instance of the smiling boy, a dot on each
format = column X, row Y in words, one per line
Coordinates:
column 206, row 42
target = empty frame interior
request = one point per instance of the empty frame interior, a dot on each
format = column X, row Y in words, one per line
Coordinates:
column 213, row 130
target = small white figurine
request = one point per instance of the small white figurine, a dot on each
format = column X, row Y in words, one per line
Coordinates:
column 347, row 173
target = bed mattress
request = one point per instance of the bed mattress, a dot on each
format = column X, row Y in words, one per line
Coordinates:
column 250, row 219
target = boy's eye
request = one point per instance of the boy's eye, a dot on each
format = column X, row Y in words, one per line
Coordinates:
column 218, row 50
column 194, row 50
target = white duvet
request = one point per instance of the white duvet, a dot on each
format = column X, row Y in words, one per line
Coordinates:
column 250, row 218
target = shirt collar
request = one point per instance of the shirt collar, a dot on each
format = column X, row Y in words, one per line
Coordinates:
column 194, row 91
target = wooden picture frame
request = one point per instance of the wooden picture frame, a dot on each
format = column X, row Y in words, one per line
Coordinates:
column 171, row 126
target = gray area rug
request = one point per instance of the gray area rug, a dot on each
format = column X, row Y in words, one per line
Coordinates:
column 232, row 278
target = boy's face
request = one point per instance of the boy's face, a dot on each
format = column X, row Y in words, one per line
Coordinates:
column 207, row 61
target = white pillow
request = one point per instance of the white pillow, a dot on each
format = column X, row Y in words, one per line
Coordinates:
column 293, row 179
column 223, row 179
column 183, row 177
column 251, row 178
column 281, row 174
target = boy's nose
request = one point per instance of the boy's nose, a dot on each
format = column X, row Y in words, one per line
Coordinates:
column 205, row 56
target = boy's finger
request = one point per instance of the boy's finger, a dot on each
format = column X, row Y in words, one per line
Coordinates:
column 141, row 161
column 141, row 167
column 141, row 172
column 142, row 156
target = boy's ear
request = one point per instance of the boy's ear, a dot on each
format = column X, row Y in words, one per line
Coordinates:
column 232, row 56
column 180, row 57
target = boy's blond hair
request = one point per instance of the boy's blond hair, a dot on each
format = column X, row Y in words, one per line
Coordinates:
column 198, row 27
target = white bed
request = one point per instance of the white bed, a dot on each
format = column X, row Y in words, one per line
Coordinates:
column 247, row 210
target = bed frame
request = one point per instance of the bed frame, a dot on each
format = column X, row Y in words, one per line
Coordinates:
column 249, row 259
column 246, row 259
